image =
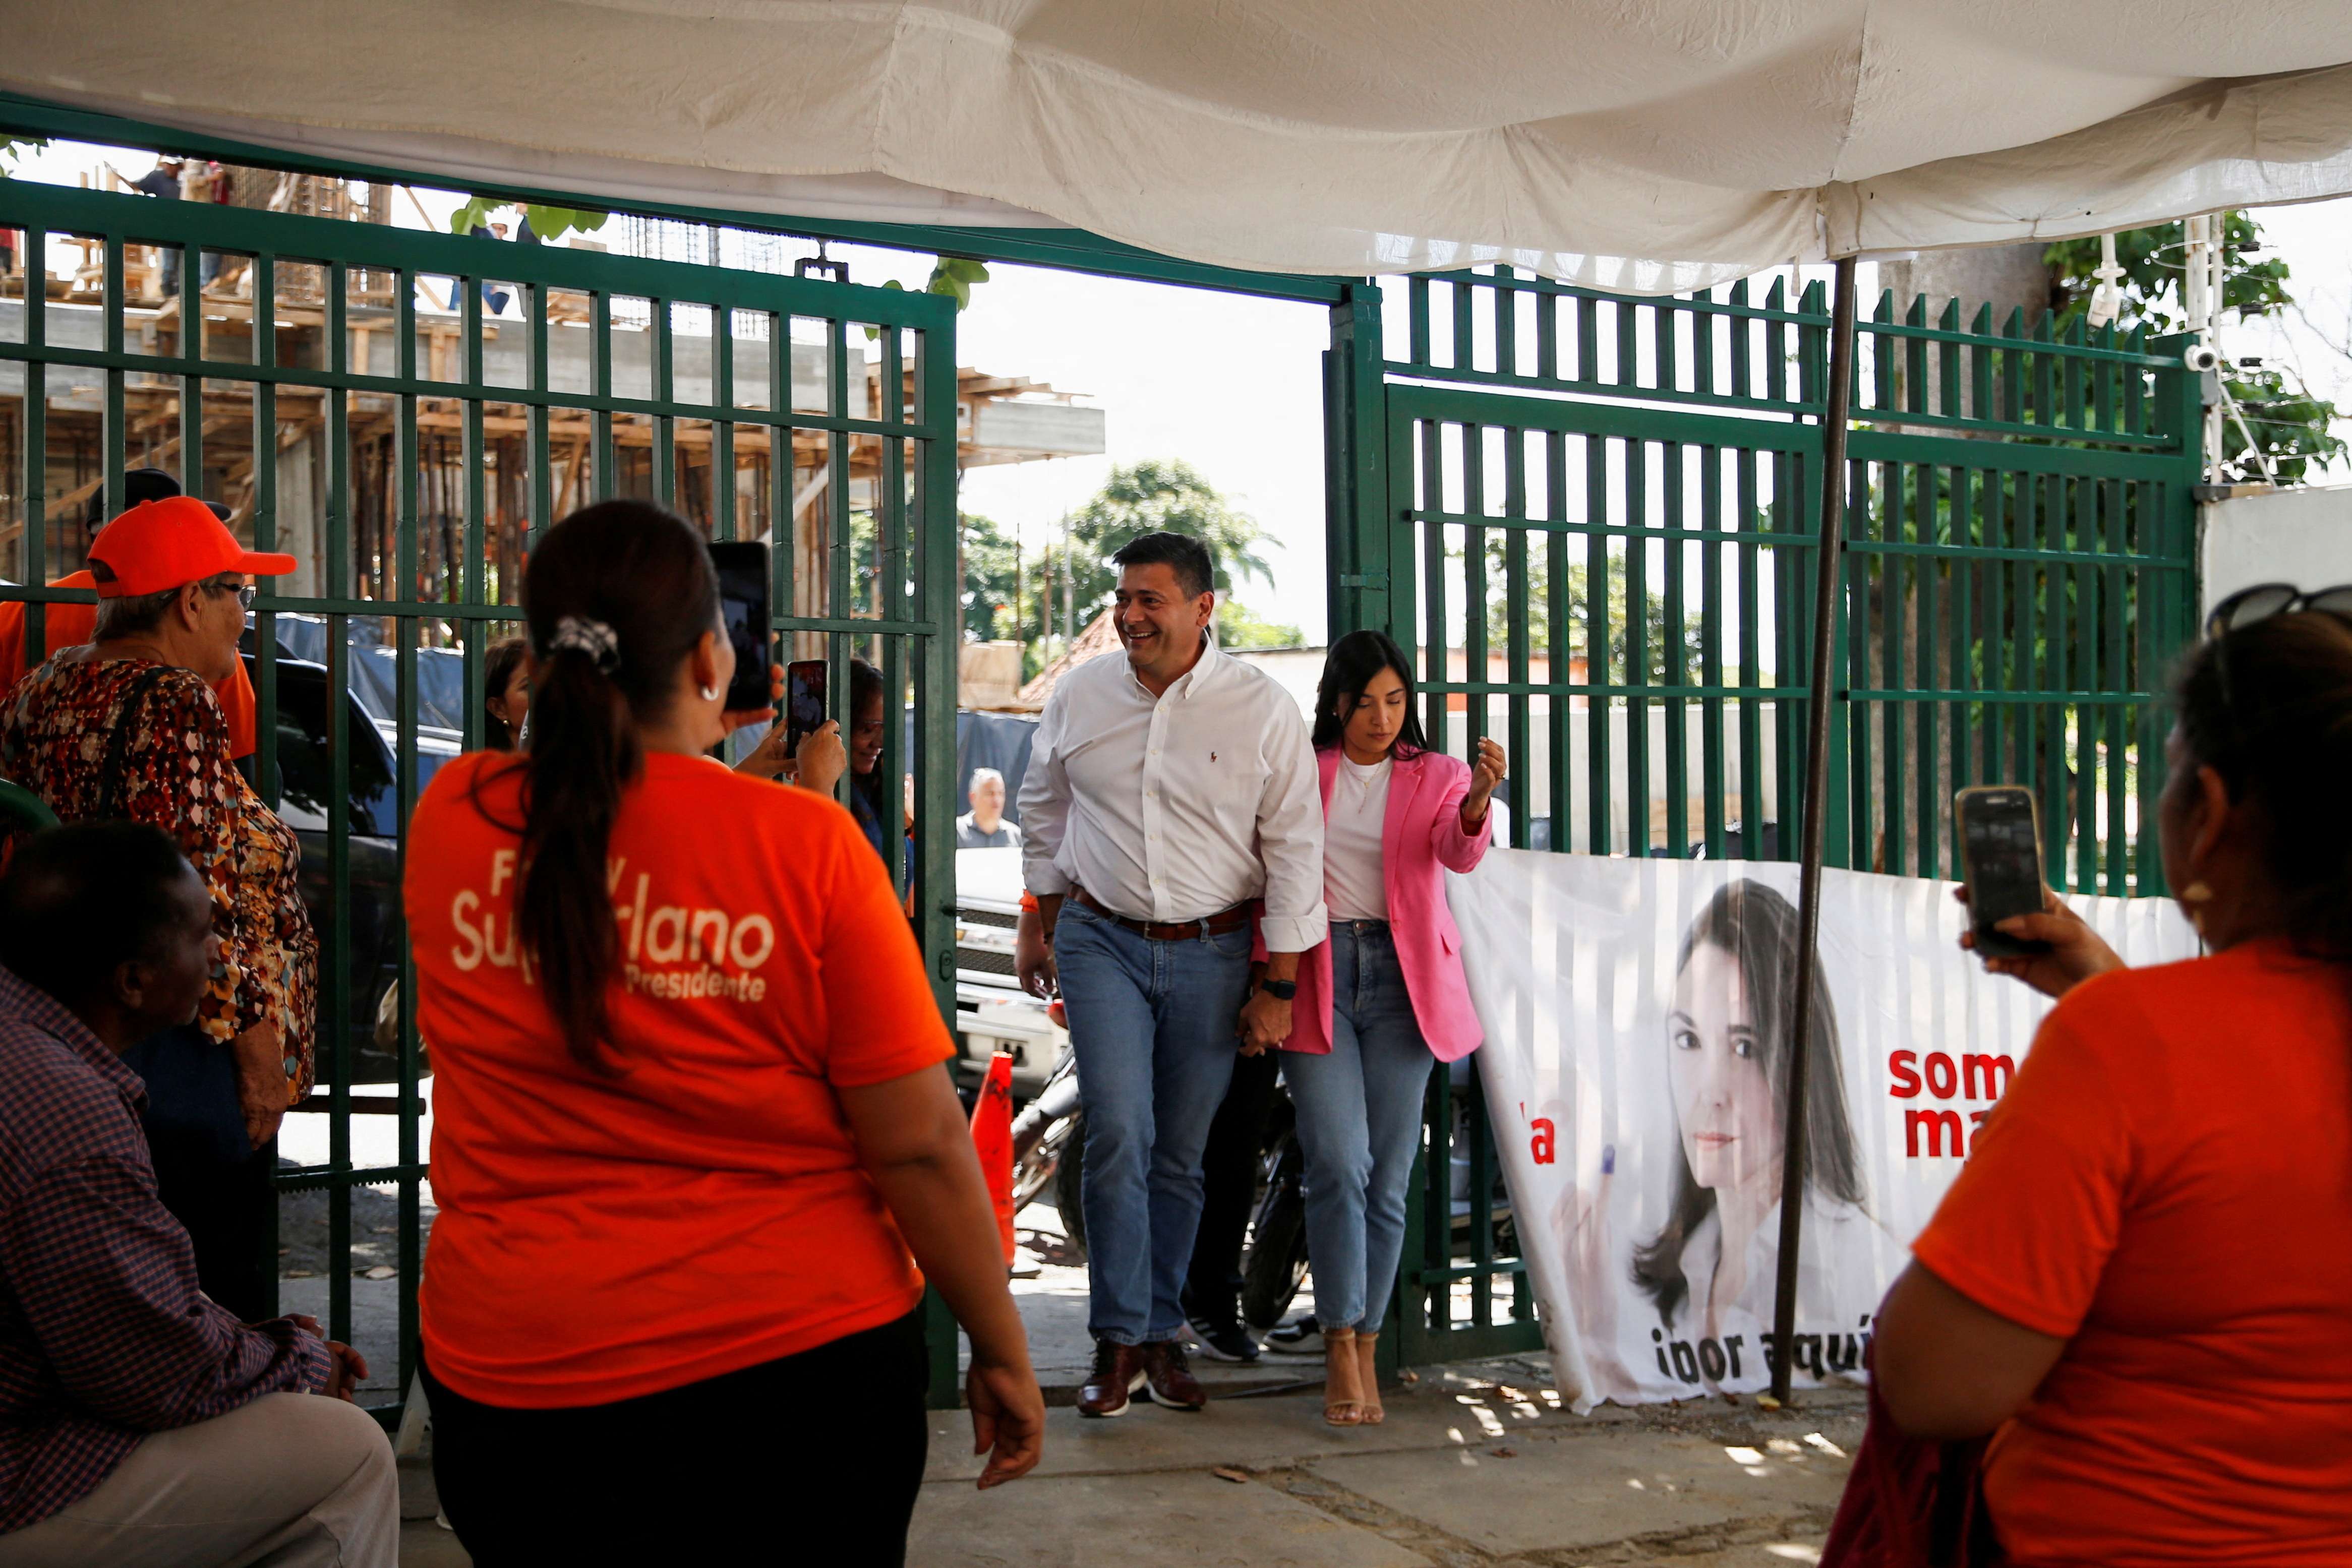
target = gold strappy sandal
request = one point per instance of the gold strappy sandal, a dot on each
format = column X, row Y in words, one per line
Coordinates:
column 1339, row 1342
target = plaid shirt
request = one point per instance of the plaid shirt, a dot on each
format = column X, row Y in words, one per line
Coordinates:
column 103, row 1334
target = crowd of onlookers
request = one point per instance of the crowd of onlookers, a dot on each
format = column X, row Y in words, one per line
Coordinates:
column 695, row 1155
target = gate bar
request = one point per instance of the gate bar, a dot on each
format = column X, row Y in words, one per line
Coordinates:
column 1793, row 1165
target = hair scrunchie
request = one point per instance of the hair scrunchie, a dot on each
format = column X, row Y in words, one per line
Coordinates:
column 578, row 634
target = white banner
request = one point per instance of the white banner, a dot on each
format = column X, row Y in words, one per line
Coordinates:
column 1637, row 1018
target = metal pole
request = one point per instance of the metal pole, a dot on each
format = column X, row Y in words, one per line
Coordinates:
column 1793, row 1172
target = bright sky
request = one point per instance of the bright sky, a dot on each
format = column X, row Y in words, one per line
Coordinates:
column 1232, row 385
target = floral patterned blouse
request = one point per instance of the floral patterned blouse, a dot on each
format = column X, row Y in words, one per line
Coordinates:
column 176, row 773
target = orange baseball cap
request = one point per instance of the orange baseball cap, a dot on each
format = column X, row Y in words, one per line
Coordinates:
column 162, row 545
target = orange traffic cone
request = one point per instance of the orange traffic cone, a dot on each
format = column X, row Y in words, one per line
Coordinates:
column 991, row 1140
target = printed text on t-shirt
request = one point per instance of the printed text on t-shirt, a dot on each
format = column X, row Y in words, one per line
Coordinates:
column 667, row 950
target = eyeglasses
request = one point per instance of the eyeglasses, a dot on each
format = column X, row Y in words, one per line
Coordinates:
column 2265, row 599
column 245, row 592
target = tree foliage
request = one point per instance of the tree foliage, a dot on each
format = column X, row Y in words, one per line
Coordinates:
column 1004, row 591
column 1239, row 626
column 2292, row 427
column 546, row 223
column 989, row 578
column 1658, row 633
column 1161, row 495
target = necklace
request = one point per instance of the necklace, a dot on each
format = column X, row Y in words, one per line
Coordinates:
column 1365, row 780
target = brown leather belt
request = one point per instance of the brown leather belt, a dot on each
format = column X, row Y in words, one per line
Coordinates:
column 1232, row 919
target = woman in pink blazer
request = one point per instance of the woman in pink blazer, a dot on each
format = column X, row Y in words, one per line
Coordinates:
column 1384, row 997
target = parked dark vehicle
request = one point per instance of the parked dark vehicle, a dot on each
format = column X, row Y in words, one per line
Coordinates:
column 305, row 780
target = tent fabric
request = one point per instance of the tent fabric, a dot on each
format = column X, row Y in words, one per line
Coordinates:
column 1645, row 146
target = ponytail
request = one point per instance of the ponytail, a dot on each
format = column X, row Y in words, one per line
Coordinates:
column 618, row 595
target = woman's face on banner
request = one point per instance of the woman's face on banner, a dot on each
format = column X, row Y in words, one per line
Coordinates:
column 1723, row 1097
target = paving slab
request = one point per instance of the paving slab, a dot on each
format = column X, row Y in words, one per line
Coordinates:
column 1194, row 1519
column 1273, row 1429
column 1548, row 1491
column 1784, row 1549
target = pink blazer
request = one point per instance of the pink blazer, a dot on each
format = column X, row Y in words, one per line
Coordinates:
column 1421, row 839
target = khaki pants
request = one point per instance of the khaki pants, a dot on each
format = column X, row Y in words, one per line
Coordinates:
column 291, row 1481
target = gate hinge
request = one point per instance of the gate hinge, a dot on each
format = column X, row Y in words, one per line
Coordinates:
column 1373, row 580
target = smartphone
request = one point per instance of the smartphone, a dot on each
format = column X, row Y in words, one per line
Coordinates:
column 744, row 605
column 2000, row 854
column 803, row 700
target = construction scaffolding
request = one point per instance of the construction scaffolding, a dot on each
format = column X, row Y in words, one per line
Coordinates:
column 999, row 418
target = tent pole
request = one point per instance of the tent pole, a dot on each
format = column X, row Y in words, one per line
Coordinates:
column 1793, row 1171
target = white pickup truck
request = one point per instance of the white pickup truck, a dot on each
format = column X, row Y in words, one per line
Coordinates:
column 993, row 1013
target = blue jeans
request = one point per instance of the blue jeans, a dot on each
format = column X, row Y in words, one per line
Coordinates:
column 1359, row 1111
column 1153, row 1025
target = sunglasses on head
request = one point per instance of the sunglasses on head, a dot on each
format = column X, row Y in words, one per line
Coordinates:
column 2265, row 599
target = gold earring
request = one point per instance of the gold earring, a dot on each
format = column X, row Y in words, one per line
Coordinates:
column 2197, row 892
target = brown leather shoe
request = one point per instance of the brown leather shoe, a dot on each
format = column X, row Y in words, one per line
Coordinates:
column 1117, row 1373
column 1170, row 1378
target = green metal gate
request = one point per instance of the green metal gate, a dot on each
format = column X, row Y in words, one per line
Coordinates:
column 1598, row 537
column 357, row 394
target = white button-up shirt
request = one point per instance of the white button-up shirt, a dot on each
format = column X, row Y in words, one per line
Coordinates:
column 1178, row 807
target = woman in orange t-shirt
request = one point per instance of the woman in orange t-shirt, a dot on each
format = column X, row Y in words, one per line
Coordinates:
column 2141, row 1281
column 690, row 1118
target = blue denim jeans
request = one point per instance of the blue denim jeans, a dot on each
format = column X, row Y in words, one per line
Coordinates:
column 1153, row 1025
column 1360, row 1113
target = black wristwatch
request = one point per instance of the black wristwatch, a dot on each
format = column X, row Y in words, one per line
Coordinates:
column 1281, row 990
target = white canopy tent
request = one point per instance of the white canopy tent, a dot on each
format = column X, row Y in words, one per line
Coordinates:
column 1645, row 146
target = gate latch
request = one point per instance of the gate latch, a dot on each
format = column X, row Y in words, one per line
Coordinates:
column 836, row 270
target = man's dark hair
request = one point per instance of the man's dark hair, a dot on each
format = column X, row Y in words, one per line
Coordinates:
column 1184, row 554
column 80, row 899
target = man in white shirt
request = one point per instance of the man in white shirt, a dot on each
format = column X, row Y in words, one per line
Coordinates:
column 1167, row 791
column 985, row 826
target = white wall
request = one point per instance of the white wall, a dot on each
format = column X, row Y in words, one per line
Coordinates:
column 2301, row 536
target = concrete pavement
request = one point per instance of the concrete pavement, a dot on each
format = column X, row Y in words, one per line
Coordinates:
column 1476, row 1467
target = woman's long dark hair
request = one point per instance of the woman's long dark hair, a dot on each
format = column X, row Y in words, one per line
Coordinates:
column 2268, row 707
column 1757, row 929
column 644, row 573
column 866, row 686
column 498, row 672
column 1347, row 669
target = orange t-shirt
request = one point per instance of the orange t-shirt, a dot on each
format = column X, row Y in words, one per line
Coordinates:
column 2167, row 1186
column 703, row 1210
column 70, row 625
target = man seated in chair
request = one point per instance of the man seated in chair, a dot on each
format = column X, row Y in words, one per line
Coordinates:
column 140, row 1421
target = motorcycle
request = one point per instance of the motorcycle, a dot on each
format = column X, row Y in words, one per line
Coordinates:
column 1275, row 1264
column 1049, row 1154
column 1049, row 1149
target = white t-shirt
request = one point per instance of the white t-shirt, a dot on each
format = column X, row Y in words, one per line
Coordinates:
column 1353, row 887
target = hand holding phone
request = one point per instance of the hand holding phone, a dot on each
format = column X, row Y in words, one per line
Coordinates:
column 2000, row 853
column 804, row 701
column 2072, row 952
column 742, row 570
